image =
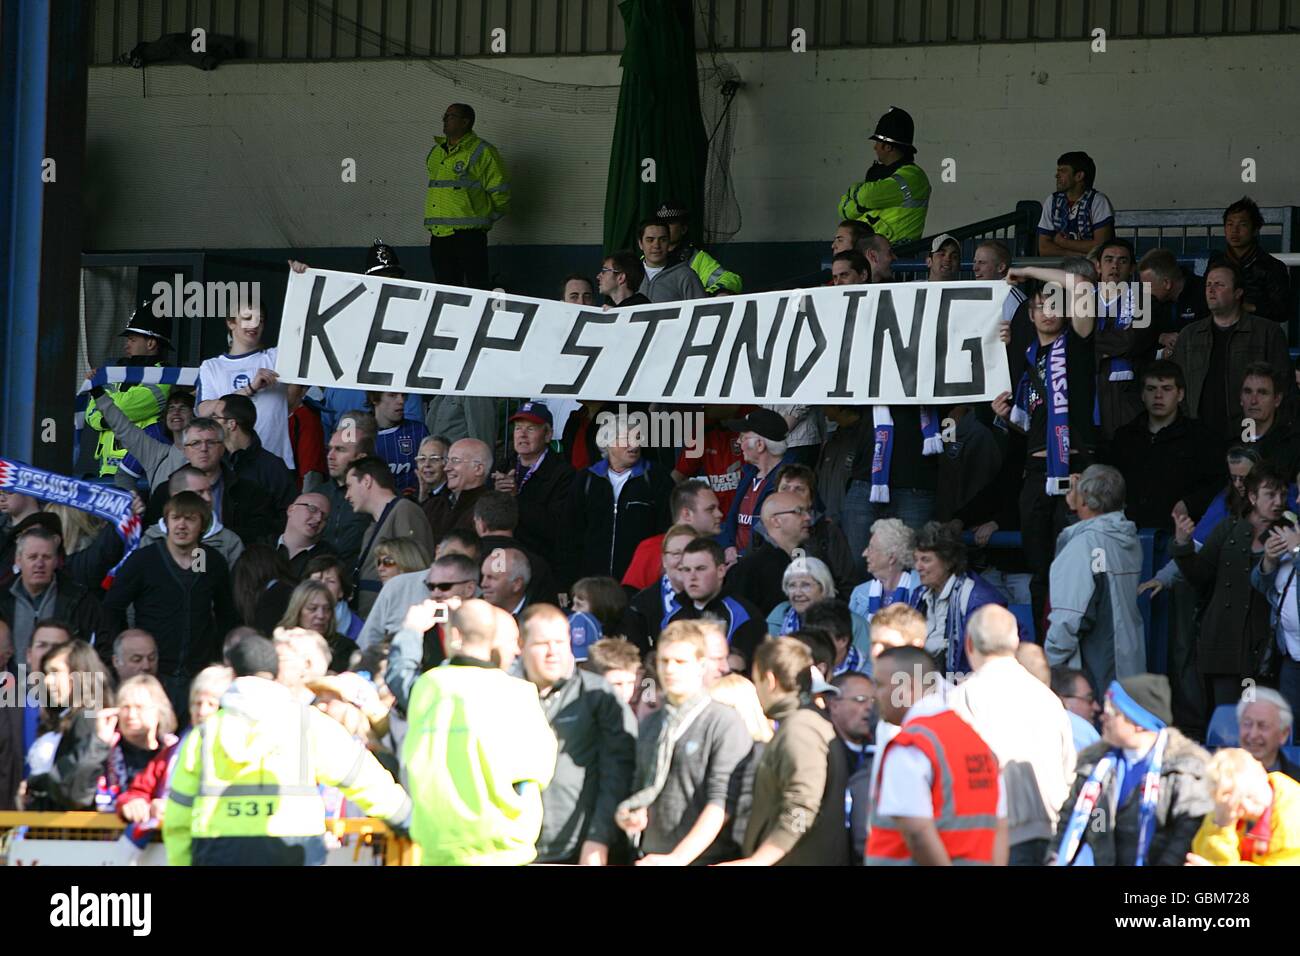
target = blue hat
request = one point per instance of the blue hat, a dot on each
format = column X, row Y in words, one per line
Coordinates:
column 534, row 412
column 584, row 630
column 1143, row 699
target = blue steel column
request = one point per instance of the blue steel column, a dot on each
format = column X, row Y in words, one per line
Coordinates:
column 25, row 58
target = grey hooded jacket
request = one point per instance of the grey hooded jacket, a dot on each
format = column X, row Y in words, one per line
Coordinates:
column 676, row 283
column 1094, row 621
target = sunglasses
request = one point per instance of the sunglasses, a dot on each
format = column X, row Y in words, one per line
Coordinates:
column 441, row 586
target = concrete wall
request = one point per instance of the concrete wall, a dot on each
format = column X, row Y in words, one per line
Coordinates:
column 249, row 156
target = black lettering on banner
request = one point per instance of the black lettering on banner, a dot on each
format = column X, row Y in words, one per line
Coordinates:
column 793, row 377
column 905, row 356
column 722, row 310
column 314, row 326
column 430, row 340
column 841, row 389
column 652, row 318
column 942, row 387
column 760, row 364
column 589, row 352
column 483, row 341
column 380, row 335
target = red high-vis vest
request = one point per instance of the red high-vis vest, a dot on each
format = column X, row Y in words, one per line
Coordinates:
column 965, row 793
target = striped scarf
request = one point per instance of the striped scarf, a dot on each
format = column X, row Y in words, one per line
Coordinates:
column 1091, row 792
column 128, row 375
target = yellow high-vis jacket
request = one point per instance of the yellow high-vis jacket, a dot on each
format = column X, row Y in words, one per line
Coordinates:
column 143, row 404
column 478, row 753
column 253, row 768
column 1275, row 842
column 468, row 188
column 893, row 201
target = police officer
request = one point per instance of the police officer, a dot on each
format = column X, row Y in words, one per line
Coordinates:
column 147, row 341
column 714, row 277
column 468, row 192
column 896, row 192
column 244, row 788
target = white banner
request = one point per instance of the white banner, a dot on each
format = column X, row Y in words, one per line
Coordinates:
column 914, row 343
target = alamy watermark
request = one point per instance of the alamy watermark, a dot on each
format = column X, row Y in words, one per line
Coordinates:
column 195, row 300
column 654, row 429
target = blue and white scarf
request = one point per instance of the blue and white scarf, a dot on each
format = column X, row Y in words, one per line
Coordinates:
column 1057, row 398
column 130, row 375
column 669, row 597
column 790, row 623
column 908, row 582
column 1121, row 312
column 1068, row 854
column 852, row 663
column 104, row 501
column 883, row 452
column 1078, row 225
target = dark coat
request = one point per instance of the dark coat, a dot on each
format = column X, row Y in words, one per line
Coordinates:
column 246, row 508
column 593, row 772
column 188, row 613
column 11, row 739
column 345, row 529
column 258, row 466
column 601, row 536
column 1235, row 620
column 75, row 604
column 642, row 617
column 1181, row 462
column 1185, row 799
column 541, row 584
column 543, row 507
column 443, row 516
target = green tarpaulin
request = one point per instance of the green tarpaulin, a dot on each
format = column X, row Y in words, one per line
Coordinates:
column 660, row 146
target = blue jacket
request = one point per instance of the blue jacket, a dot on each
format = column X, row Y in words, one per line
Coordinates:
column 727, row 537
column 970, row 593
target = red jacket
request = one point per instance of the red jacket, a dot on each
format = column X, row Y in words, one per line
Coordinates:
column 308, row 440
column 151, row 782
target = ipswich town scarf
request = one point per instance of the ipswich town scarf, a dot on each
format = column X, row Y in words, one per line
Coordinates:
column 1079, row 224
column 1057, row 397
column 1091, row 793
column 104, row 501
column 883, row 451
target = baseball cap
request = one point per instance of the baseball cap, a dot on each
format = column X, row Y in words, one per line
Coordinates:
column 534, row 412
column 940, row 240
column 819, row 685
column 763, row 422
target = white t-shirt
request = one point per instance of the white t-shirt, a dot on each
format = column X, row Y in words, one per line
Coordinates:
column 651, row 271
column 1100, row 213
column 226, row 373
column 907, row 778
column 1286, row 578
column 618, row 481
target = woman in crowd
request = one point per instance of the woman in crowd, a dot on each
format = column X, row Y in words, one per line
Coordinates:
column 1256, row 818
column 311, row 606
column 329, row 571
column 889, row 561
column 739, row 694
column 396, row 556
column 262, row 583
column 1235, row 639
column 948, row 596
column 805, row 582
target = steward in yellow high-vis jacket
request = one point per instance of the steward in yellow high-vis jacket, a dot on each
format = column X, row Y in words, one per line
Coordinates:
column 477, row 754
column 468, row 192
column 894, row 197
column 712, row 275
column 245, row 786
column 147, row 340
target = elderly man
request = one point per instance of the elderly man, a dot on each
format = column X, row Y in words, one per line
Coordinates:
column 304, row 530
column 135, row 652
column 505, row 577
column 1264, row 722
column 763, row 435
column 1094, row 622
column 1024, row 723
column 42, row 591
column 613, row 506
column 468, row 466
column 540, row 481
column 597, row 745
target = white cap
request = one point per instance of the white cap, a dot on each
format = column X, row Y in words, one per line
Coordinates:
column 819, row 685
column 939, row 241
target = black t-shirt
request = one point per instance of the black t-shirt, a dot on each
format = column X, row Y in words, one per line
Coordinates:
column 1081, row 379
column 908, row 468
column 1190, row 306
column 1214, row 394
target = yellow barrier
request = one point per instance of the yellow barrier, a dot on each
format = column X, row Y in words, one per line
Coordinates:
column 91, row 826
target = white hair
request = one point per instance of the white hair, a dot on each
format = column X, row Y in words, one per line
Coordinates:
column 814, row 568
column 992, row 631
column 774, row 448
column 1266, row 695
column 896, row 540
